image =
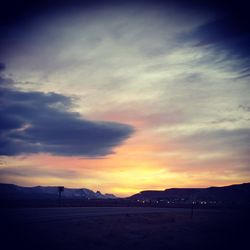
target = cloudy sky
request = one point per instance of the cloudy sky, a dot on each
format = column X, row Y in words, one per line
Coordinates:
column 124, row 96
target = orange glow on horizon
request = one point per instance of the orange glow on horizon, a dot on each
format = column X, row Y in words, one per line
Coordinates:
column 131, row 169
column 143, row 162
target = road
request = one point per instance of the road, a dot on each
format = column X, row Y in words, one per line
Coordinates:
column 34, row 215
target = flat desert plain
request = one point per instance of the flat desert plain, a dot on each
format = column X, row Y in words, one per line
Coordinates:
column 120, row 228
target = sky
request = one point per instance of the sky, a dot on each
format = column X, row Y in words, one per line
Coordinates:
column 124, row 96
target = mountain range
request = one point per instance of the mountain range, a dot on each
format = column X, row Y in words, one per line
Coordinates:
column 238, row 192
column 11, row 191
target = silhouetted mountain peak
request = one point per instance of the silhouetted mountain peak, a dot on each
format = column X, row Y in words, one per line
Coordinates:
column 13, row 191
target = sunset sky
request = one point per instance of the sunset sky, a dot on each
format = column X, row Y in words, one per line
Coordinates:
column 125, row 96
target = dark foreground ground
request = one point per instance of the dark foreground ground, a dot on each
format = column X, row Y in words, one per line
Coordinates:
column 121, row 228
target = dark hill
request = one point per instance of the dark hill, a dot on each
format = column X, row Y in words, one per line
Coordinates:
column 233, row 193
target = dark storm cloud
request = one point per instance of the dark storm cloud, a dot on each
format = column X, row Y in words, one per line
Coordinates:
column 16, row 11
column 226, row 32
column 228, row 36
column 33, row 122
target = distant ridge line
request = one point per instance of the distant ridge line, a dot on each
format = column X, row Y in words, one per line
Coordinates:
column 231, row 193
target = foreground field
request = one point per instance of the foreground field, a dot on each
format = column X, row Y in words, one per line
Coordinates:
column 123, row 228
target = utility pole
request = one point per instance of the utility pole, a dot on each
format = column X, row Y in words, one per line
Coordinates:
column 60, row 190
column 192, row 207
